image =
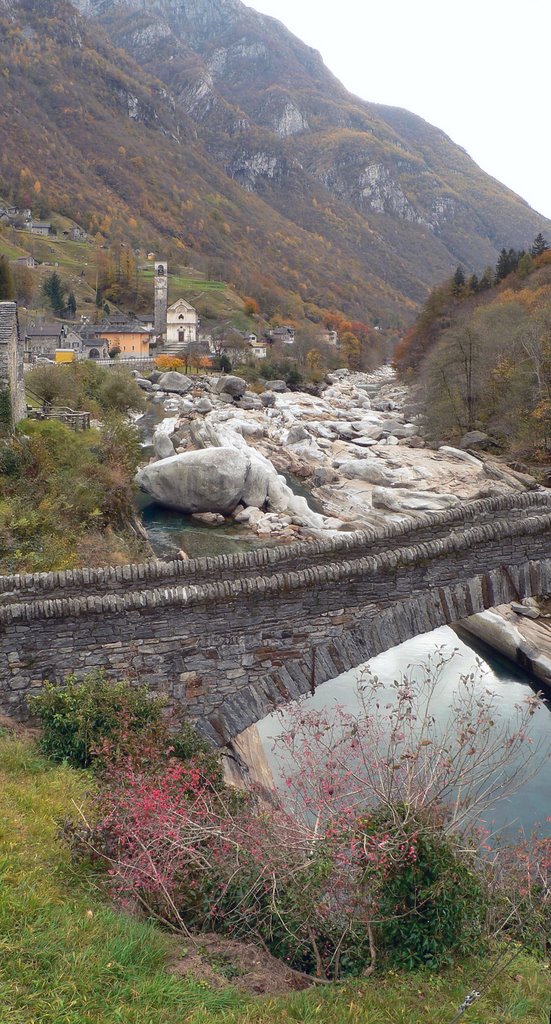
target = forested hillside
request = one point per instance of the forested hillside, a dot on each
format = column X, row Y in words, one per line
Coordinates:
column 479, row 356
column 209, row 132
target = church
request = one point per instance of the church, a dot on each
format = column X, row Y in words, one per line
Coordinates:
column 182, row 323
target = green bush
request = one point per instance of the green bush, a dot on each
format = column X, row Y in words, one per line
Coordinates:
column 431, row 905
column 79, row 717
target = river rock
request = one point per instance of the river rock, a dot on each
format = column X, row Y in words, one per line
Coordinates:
column 203, row 405
column 278, row 386
column 210, row 518
column 232, row 386
column 456, row 453
column 411, row 501
column 210, row 480
column 478, row 439
column 162, row 445
column 375, row 473
column 249, row 403
column 175, row 382
column 297, row 433
column 268, row 399
column 144, row 383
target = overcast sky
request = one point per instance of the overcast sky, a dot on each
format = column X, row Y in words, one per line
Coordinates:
column 478, row 69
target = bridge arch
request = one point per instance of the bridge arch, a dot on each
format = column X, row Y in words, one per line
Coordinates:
column 229, row 638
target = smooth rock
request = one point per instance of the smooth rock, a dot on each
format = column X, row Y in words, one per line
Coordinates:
column 210, row 518
column 162, row 445
column 233, row 386
column 456, row 453
column 530, row 611
column 278, row 386
column 175, row 382
column 210, row 480
column 411, row 501
column 267, row 399
column 297, row 433
column 144, row 383
column 478, row 439
column 203, row 405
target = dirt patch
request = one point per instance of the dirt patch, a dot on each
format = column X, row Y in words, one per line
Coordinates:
column 221, row 962
column 22, row 732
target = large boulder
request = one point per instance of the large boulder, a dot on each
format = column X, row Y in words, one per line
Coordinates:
column 175, row 382
column 277, row 385
column 210, row 480
column 232, row 386
column 478, row 439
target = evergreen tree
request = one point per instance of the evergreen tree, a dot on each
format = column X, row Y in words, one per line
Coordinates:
column 54, row 291
column 508, row 261
column 71, row 305
column 474, row 284
column 539, row 245
column 487, row 280
column 458, row 281
column 7, row 284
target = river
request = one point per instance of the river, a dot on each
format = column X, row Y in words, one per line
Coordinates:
column 531, row 804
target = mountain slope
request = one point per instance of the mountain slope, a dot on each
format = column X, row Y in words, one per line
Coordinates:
column 204, row 122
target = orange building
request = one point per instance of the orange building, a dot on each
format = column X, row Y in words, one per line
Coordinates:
column 130, row 339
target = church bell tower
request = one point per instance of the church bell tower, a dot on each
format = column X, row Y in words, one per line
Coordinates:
column 161, row 300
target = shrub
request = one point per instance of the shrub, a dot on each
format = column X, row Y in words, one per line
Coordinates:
column 79, row 718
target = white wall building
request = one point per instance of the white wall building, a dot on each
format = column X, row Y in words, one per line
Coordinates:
column 182, row 323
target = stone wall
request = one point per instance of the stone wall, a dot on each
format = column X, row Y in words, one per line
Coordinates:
column 11, row 361
column 227, row 639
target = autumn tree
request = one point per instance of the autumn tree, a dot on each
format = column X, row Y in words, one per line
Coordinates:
column 24, row 284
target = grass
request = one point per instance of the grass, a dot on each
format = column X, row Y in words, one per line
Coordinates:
column 67, row 958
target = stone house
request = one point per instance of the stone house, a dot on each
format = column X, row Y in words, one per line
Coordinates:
column 182, row 323
column 26, row 261
column 40, row 227
column 43, row 339
column 285, row 335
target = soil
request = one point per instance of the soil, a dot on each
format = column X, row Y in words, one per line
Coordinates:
column 220, row 962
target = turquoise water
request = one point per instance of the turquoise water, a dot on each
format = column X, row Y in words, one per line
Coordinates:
column 531, row 804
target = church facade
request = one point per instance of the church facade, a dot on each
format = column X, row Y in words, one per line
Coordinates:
column 182, row 323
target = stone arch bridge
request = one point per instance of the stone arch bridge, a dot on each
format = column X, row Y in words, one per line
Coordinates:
column 229, row 638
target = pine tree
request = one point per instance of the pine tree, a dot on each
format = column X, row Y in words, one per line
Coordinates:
column 458, row 281
column 71, row 305
column 539, row 245
column 7, row 284
column 474, row 284
column 54, row 291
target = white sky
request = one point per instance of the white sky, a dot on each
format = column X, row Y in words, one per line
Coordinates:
column 478, row 69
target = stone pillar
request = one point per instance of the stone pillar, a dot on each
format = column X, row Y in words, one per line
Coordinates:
column 11, row 363
column 161, row 300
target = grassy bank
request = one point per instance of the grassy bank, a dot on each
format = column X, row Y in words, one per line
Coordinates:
column 67, row 958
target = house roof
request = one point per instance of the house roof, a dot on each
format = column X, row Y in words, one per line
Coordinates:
column 132, row 328
column 46, row 330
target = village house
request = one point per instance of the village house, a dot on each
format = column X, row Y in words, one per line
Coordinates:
column 182, row 323
column 329, row 338
column 258, row 348
column 285, row 335
column 25, row 261
column 39, row 227
column 131, row 339
column 92, row 346
column 43, row 339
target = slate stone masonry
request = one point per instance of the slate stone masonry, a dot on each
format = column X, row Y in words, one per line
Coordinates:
column 229, row 638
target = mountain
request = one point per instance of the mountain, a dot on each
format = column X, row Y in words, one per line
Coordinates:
column 208, row 130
